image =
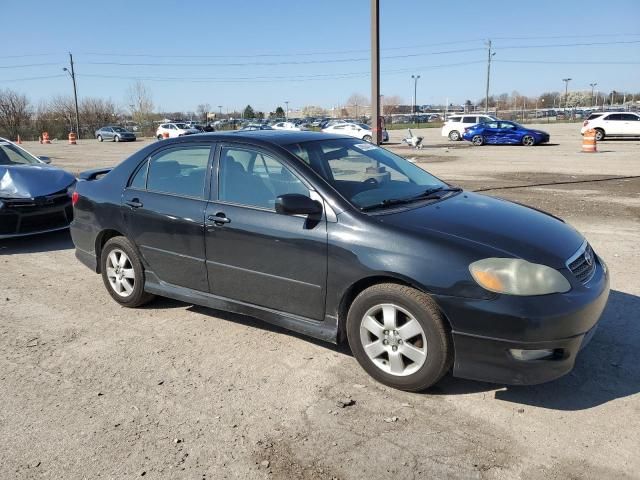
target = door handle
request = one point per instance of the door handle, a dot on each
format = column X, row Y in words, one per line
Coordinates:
column 135, row 203
column 219, row 218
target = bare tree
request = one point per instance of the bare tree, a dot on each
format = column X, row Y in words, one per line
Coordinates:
column 97, row 112
column 313, row 111
column 203, row 110
column 14, row 112
column 140, row 101
column 356, row 103
column 391, row 103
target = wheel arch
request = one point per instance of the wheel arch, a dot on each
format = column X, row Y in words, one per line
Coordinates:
column 361, row 285
column 103, row 237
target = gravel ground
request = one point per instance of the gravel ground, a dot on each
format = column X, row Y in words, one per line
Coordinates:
column 89, row 389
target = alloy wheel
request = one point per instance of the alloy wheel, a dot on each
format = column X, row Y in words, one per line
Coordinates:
column 477, row 140
column 393, row 339
column 120, row 273
column 528, row 141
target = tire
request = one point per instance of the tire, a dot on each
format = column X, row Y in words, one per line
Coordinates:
column 100, row 139
column 159, row 137
column 123, row 279
column 454, row 135
column 478, row 140
column 426, row 340
column 528, row 141
column 116, row 138
column 599, row 135
column 367, row 138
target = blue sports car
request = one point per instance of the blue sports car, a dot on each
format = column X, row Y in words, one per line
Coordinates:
column 502, row 132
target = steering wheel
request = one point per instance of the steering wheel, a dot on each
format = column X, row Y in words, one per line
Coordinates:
column 371, row 181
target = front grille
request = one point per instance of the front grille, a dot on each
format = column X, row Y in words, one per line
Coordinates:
column 583, row 264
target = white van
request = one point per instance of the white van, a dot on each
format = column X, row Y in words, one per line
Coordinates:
column 455, row 124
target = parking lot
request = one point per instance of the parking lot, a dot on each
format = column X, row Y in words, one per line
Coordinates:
column 89, row 389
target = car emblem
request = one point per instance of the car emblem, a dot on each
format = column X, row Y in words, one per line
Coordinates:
column 588, row 257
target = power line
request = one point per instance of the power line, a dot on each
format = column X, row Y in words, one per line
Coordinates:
column 570, row 62
column 30, row 65
column 30, row 78
column 589, row 44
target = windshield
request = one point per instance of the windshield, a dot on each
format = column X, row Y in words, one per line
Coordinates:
column 118, row 129
column 182, row 126
column 364, row 174
column 12, row 155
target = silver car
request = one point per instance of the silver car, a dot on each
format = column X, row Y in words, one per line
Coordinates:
column 115, row 134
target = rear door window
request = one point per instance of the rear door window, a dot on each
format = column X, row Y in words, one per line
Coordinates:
column 179, row 171
column 470, row 120
column 614, row 117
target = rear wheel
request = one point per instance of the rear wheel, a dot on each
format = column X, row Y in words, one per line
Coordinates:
column 397, row 335
column 123, row 273
column 599, row 134
column 477, row 140
column 528, row 141
column 159, row 137
column 454, row 135
column 367, row 138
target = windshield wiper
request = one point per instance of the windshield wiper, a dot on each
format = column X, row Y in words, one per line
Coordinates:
column 428, row 194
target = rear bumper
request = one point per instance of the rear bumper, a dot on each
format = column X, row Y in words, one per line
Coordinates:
column 485, row 332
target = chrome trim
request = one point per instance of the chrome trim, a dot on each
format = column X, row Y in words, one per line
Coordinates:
column 575, row 256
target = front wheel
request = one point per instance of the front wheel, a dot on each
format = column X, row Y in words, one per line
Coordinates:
column 599, row 135
column 123, row 273
column 398, row 336
column 159, row 137
column 454, row 135
column 528, row 141
column 100, row 138
column 367, row 138
column 477, row 140
column 116, row 138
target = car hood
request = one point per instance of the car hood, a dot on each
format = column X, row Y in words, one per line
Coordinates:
column 30, row 181
column 509, row 229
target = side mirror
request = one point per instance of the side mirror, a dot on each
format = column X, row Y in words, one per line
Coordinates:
column 44, row 159
column 296, row 204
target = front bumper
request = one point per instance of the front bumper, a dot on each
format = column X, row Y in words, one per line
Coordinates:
column 485, row 332
column 20, row 218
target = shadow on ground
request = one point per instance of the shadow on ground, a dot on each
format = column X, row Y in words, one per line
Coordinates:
column 607, row 369
column 45, row 242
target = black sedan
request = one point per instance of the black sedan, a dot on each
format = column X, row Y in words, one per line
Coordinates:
column 34, row 197
column 337, row 238
column 115, row 134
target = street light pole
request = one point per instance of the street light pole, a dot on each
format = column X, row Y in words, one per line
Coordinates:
column 490, row 54
column 72, row 74
column 592, row 85
column 286, row 113
column 566, row 91
column 415, row 95
column 375, row 73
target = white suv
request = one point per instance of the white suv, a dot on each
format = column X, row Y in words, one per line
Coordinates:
column 174, row 130
column 613, row 124
column 455, row 124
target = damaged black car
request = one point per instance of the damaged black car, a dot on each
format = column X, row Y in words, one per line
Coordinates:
column 34, row 197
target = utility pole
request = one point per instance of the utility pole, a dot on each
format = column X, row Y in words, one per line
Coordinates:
column 490, row 54
column 375, row 72
column 415, row 95
column 286, row 113
column 592, row 85
column 566, row 91
column 72, row 73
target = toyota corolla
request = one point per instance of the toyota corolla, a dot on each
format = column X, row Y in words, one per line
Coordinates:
column 339, row 239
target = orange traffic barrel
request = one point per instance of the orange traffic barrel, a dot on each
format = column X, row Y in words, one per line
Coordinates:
column 72, row 138
column 165, row 134
column 589, row 141
column 19, row 141
column 45, row 137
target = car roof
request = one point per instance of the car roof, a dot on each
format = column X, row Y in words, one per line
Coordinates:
column 264, row 137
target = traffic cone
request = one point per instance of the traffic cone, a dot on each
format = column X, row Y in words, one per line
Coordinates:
column 19, row 142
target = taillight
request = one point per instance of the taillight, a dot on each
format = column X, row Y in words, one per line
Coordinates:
column 75, row 196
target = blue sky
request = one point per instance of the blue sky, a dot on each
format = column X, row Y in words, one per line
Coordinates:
column 315, row 52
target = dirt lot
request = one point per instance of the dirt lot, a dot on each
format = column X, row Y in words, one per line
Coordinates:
column 89, row 389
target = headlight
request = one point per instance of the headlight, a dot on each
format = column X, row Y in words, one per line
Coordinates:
column 514, row 276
